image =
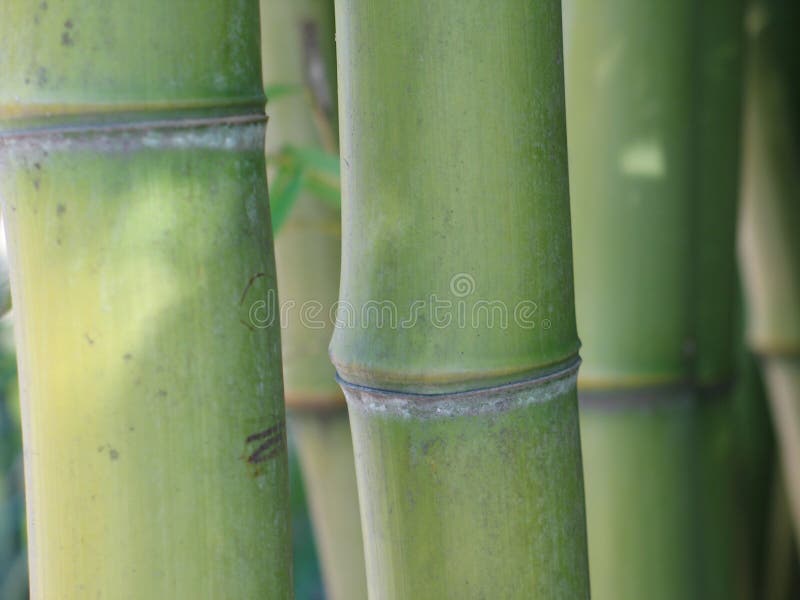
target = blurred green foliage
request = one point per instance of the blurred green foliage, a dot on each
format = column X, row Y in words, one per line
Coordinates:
column 298, row 169
column 13, row 563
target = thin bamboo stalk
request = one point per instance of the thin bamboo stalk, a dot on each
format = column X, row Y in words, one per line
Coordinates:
column 455, row 212
column 325, row 450
column 297, row 38
column 308, row 255
column 770, row 220
column 134, row 195
column 652, row 96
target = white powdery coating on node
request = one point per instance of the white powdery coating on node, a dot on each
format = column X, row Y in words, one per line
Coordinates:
column 459, row 404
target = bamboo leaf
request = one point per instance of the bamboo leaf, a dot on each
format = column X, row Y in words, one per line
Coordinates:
column 321, row 177
column 325, row 188
column 316, row 158
column 285, row 190
column 279, row 90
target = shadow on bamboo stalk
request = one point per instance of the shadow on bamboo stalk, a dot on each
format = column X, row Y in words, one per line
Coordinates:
column 135, row 204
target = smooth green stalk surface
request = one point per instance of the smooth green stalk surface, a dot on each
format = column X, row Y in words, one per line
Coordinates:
column 718, row 106
column 727, row 560
column 133, row 184
column 640, row 467
column 467, row 499
column 663, row 496
column 629, row 97
column 457, row 276
column 142, row 381
column 457, row 269
column 76, row 58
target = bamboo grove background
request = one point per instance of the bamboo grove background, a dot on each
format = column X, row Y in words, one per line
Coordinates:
column 683, row 123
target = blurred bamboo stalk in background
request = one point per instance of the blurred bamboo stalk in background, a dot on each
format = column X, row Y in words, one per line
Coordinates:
column 133, row 184
column 770, row 220
column 653, row 96
column 458, row 350
column 299, row 64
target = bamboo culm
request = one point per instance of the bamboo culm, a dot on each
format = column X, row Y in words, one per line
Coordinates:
column 455, row 190
column 308, row 255
column 134, row 194
column 653, row 112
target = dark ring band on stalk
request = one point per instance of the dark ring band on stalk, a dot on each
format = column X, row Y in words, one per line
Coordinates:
column 144, row 125
column 666, row 395
column 502, row 398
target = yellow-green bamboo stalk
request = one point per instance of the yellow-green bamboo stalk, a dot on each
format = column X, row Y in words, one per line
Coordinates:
column 299, row 64
column 769, row 241
column 455, row 338
column 325, row 449
column 653, row 105
column 298, row 48
column 134, row 193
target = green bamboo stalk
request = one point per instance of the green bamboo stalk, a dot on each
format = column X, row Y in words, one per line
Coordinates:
column 727, row 565
column 325, row 449
column 134, row 196
column 652, row 96
column 770, row 220
column 308, row 255
column 455, row 213
column 297, row 47
column 640, row 452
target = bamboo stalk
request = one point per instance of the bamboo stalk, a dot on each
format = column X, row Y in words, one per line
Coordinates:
column 780, row 559
column 759, row 470
column 652, row 96
column 770, row 220
column 298, row 37
column 455, row 211
column 727, row 567
column 640, row 457
column 308, row 255
column 134, row 196
column 325, row 450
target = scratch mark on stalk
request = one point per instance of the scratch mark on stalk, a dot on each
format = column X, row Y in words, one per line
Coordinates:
column 249, row 285
column 272, row 444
